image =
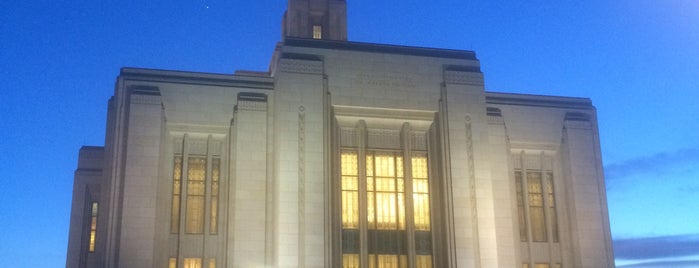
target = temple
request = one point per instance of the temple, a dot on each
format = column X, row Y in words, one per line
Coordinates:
column 341, row 154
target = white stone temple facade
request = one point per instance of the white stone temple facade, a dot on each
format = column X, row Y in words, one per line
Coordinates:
column 342, row 154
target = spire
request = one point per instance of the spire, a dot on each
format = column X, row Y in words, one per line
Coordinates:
column 318, row 19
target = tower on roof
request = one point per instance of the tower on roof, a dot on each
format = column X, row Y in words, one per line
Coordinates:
column 317, row 19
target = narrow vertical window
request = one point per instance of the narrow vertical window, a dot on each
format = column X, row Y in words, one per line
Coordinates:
column 212, row 263
column 176, row 182
column 215, row 178
column 536, row 206
column 196, row 177
column 192, row 263
column 421, row 211
column 172, row 263
column 317, row 32
column 93, row 225
column 350, row 209
column 552, row 206
column 520, row 207
column 386, row 209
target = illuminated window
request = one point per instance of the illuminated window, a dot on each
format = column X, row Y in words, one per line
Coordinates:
column 537, row 219
column 196, row 178
column 172, row 263
column 383, row 190
column 541, row 265
column 212, row 263
column 317, row 32
column 536, row 202
column 192, row 263
column 176, row 182
column 93, row 225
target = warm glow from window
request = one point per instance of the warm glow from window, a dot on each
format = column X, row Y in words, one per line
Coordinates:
column 172, row 263
column 93, row 226
column 317, row 32
column 536, row 207
column 176, row 182
column 350, row 260
column 421, row 193
column 385, row 192
column 423, row 261
column 212, row 263
column 350, row 191
column 386, row 219
column 196, row 177
column 192, row 263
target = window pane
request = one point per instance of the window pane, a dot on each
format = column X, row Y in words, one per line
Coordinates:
column 192, row 263
column 386, row 211
column 212, row 263
column 93, row 226
column 423, row 261
column 421, row 205
column 195, row 216
column 176, row 178
column 385, row 165
column 421, row 192
column 536, row 207
column 349, row 163
column 350, row 210
column 317, row 32
column 383, row 261
column 350, row 260
column 172, row 263
column 419, row 166
column 350, row 193
column 196, row 177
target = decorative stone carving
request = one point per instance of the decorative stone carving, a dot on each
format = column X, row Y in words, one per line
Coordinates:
column 348, row 137
column 385, row 139
column 463, row 78
column 177, row 145
column 302, row 185
column 472, row 183
column 197, row 147
column 216, row 147
column 300, row 66
column 145, row 99
column 252, row 105
column 418, row 141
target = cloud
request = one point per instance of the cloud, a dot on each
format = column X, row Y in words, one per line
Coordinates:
column 656, row 247
column 662, row 264
column 657, row 163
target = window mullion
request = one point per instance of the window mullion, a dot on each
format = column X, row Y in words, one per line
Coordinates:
column 525, row 197
column 362, row 180
column 409, row 208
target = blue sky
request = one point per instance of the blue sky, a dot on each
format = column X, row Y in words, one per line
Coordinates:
column 638, row 60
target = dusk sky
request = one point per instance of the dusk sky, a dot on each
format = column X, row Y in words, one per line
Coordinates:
column 638, row 60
